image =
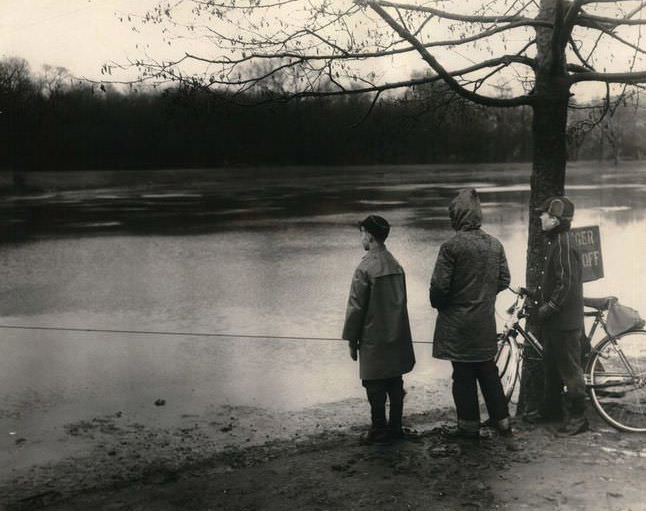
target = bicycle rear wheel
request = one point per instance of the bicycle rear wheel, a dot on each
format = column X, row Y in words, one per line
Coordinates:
column 617, row 372
column 507, row 363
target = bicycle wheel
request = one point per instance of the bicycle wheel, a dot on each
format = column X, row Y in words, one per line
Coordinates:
column 507, row 362
column 617, row 372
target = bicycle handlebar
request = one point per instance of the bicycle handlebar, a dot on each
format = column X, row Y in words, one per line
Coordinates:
column 520, row 291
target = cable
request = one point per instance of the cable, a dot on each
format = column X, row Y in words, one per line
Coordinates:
column 179, row 334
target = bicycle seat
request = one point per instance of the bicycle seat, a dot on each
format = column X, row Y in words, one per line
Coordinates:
column 601, row 304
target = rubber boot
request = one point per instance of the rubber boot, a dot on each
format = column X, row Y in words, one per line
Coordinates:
column 396, row 412
column 504, row 427
column 378, row 433
column 506, row 432
column 465, row 429
column 576, row 421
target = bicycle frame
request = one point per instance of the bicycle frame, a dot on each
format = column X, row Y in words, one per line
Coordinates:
column 512, row 327
column 616, row 389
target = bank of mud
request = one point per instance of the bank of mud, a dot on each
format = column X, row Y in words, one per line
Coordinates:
column 330, row 470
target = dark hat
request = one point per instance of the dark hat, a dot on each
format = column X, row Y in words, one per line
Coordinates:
column 377, row 226
column 560, row 207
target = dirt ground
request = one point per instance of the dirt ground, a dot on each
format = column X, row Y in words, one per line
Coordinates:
column 598, row 470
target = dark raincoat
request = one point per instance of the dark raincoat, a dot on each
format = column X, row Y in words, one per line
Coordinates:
column 561, row 280
column 377, row 317
column 471, row 269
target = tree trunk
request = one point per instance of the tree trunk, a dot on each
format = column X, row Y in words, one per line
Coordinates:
column 548, row 178
column 550, row 110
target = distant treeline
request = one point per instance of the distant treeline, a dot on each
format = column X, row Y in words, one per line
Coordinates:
column 50, row 121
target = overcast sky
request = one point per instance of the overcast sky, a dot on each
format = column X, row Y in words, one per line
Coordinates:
column 82, row 35
column 77, row 34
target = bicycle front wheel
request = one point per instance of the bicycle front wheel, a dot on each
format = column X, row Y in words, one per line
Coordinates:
column 507, row 363
column 617, row 372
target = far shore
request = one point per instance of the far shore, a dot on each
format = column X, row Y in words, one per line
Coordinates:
column 79, row 178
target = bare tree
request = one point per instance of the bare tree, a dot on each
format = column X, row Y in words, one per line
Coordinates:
column 16, row 91
column 54, row 80
column 540, row 50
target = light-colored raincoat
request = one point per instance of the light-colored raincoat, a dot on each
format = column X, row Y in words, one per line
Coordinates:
column 377, row 317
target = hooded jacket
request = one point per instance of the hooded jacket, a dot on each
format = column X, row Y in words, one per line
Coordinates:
column 471, row 269
column 377, row 317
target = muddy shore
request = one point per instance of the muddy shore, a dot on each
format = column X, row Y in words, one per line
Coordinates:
column 131, row 467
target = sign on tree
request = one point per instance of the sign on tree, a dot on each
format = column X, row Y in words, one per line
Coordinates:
column 588, row 240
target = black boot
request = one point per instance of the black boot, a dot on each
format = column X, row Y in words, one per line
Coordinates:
column 396, row 412
column 538, row 417
column 378, row 433
column 504, row 427
column 468, row 429
column 575, row 421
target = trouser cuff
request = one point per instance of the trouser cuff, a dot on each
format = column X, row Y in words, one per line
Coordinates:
column 472, row 426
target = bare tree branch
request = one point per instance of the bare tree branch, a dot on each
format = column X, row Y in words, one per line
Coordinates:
column 630, row 78
column 610, row 33
column 509, row 60
column 504, row 60
column 587, row 2
column 401, row 19
column 372, row 106
column 569, row 21
column 252, row 4
column 577, row 52
column 423, row 24
column 481, row 35
column 589, row 20
column 458, row 17
column 344, row 55
column 636, row 10
column 437, row 67
column 314, row 54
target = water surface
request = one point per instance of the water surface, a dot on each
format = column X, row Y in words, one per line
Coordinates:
column 267, row 252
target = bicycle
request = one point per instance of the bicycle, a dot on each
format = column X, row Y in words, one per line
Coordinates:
column 615, row 372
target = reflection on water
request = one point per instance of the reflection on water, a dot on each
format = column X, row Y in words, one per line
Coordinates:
column 267, row 252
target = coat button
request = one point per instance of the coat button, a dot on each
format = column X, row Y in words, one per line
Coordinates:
column 539, row 287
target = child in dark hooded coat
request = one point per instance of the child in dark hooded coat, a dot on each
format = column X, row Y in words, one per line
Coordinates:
column 471, row 269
